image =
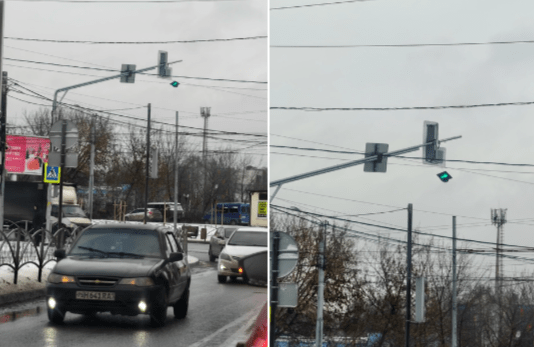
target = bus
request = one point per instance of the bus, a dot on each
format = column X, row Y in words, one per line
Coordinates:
column 233, row 213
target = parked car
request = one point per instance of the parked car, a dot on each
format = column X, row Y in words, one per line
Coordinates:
column 153, row 215
column 167, row 210
column 218, row 241
column 244, row 241
column 123, row 269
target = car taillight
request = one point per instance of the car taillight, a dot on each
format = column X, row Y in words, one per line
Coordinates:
column 259, row 342
column 240, row 270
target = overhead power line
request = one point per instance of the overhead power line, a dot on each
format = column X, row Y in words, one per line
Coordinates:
column 318, row 109
column 138, row 42
column 114, row 70
column 313, row 5
column 408, row 45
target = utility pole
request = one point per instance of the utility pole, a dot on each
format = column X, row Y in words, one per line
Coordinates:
column 454, row 304
column 275, row 243
column 204, row 113
column 3, row 142
column 147, row 163
column 498, row 218
column 92, row 166
column 409, row 278
column 320, row 288
column 3, row 82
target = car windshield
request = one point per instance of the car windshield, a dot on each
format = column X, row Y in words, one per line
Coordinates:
column 73, row 211
column 248, row 238
column 121, row 242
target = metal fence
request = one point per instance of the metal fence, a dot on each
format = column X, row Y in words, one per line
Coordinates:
column 20, row 246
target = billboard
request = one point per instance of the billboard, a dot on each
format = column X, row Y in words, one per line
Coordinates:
column 26, row 154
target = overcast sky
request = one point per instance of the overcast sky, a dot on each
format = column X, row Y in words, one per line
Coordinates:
column 235, row 106
column 389, row 77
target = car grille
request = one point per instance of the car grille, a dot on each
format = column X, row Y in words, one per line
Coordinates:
column 97, row 281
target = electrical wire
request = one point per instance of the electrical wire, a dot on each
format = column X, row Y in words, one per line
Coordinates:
column 320, row 109
column 408, row 45
column 313, row 5
column 139, row 42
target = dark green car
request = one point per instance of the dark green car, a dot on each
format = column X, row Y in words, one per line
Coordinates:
column 123, row 269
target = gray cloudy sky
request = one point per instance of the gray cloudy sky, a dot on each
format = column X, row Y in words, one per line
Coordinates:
column 377, row 77
column 239, row 107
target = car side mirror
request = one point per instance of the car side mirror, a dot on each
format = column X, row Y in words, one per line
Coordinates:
column 176, row 256
column 60, row 254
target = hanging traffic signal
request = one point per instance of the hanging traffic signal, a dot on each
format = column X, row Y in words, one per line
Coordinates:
column 174, row 84
column 444, row 176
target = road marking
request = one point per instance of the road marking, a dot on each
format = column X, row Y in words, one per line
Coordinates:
column 238, row 321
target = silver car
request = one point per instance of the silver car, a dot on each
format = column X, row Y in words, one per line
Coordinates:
column 218, row 240
column 244, row 241
column 153, row 215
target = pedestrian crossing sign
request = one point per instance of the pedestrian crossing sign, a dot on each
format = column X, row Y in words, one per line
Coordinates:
column 52, row 174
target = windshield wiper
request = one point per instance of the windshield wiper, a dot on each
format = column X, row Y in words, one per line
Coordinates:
column 121, row 254
column 94, row 250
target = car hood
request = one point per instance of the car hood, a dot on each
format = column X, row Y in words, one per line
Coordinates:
column 118, row 267
column 241, row 251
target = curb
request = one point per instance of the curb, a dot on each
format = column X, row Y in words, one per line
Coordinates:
column 14, row 298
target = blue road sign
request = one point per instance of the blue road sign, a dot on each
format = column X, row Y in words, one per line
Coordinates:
column 52, row 174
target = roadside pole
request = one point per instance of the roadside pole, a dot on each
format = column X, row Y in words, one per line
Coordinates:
column 147, row 163
column 62, row 170
column 320, row 288
column 2, row 116
column 274, row 285
column 454, row 305
column 409, row 278
column 92, row 167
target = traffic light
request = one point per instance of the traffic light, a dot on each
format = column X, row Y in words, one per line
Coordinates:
column 174, row 84
column 444, row 176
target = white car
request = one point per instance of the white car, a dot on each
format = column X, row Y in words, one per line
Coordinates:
column 244, row 241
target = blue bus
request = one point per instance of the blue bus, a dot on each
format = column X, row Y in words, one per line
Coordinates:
column 233, row 213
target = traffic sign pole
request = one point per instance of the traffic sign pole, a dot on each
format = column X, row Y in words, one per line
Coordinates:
column 61, row 166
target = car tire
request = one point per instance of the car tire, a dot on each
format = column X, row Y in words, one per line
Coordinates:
column 158, row 313
column 210, row 253
column 56, row 315
column 233, row 278
column 181, row 306
column 221, row 279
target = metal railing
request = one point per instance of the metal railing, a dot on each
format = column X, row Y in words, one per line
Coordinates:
column 20, row 246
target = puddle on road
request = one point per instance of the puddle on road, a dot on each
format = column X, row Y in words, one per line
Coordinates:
column 12, row 316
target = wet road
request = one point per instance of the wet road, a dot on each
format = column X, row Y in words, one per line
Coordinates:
column 216, row 312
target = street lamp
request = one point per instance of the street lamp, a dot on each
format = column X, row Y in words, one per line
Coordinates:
column 320, row 288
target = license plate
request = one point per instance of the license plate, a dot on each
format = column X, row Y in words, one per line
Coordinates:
column 109, row 296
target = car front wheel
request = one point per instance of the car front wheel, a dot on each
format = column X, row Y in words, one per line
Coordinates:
column 181, row 306
column 56, row 315
column 221, row 279
column 158, row 313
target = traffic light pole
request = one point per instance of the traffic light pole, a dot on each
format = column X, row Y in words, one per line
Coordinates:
column 274, row 285
column 279, row 183
column 126, row 73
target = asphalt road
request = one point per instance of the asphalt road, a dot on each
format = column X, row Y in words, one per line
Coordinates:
column 216, row 312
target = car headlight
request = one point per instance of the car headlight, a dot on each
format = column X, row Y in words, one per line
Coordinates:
column 57, row 278
column 138, row 281
column 225, row 256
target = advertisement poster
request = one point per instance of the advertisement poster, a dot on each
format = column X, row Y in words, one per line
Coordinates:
column 26, row 154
